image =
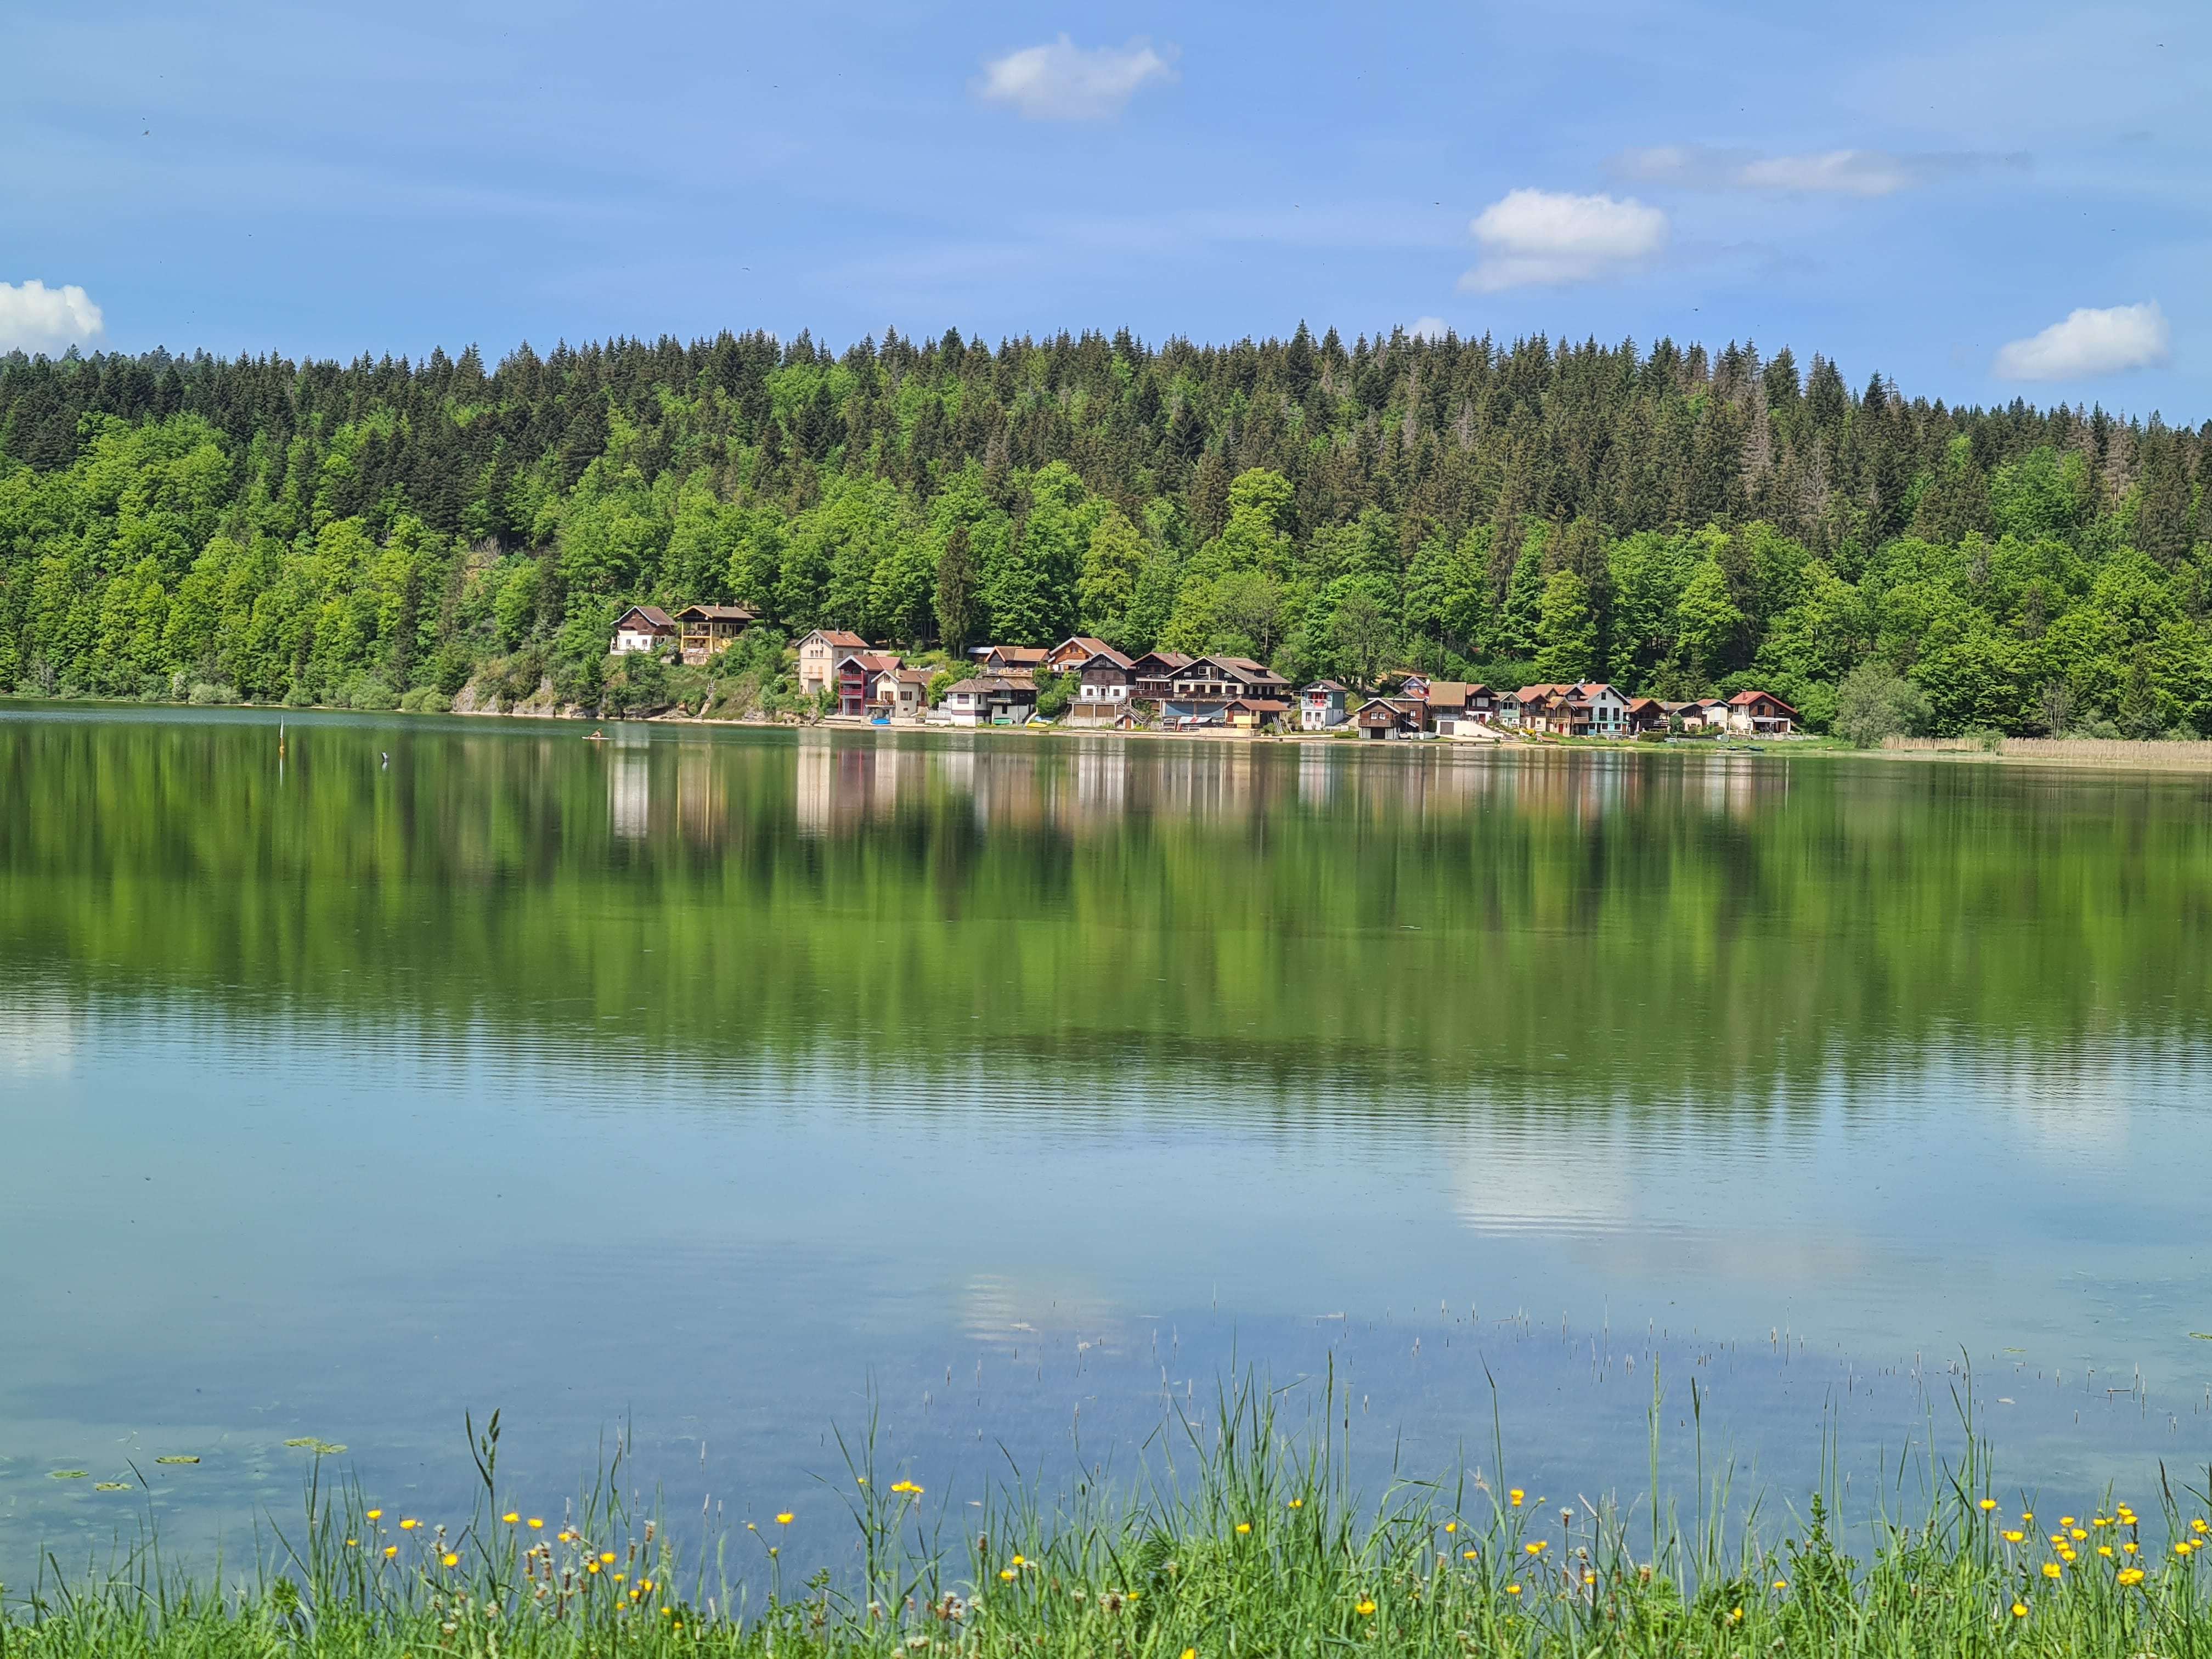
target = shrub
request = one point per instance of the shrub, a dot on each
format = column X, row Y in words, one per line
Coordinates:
column 365, row 690
column 1875, row 702
column 425, row 700
column 204, row 694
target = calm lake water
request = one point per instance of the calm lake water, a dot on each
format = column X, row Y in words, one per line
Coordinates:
column 711, row 1089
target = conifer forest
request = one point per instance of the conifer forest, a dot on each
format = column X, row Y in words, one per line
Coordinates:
column 1677, row 521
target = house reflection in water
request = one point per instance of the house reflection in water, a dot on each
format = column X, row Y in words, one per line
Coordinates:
column 629, row 785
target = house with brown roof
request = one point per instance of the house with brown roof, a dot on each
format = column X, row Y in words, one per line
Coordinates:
column 1073, row 652
column 1760, row 714
column 1153, row 675
column 1646, row 714
column 857, row 673
column 1385, row 718
column 708, row 630
column 1255, row 714
column 817, row 656
column 1013, row 658
column 1589, row 708
column 900, row 694
column 1455, row 707
column 641, row 628
column 1106, row 681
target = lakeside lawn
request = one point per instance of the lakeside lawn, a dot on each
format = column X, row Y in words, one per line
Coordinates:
column 1249, row 1543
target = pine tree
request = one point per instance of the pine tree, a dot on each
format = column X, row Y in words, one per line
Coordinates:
column 957, row 606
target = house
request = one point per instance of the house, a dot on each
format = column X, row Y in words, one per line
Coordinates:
column 641, row 628
column 1199, row 691
column 1411, row 684
column 1000, row 659
column 1072, row 653
column 817, row 656
column 1699, row 713
column 1106, row 681
column 708, row 630
column 1646, row 714
column 1507, row 709
column 1255, row 714
column 990, row 700
column 900, row 694
column 1590, row 708
column 1154, row 675
column 857, row 673
column 1456, row 707
column 1760, row 714
column 1320, row 706
column 1391, row 717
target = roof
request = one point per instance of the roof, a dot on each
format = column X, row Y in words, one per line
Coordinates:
column 1528, row 693
column 653, row 614
column 1324, row 685
column 1259, row 705
column 717, row 613
column 1110, row 654
column 1089, row 646
column 1244, row 667
column 1450, row 693
column 875, row 662
column 1169, row 659
column 1020, row 654
column 1744, row 699
column 986, row 684
column 912, row 675
column 1645, row 702
column 837, row 636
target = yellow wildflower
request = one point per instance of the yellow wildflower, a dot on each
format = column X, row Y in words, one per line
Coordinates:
column 1365, row 1609
column 2052, row 1570
column 450, row 1559
column 2014, row 1535
column 391, row 1549
column 1467, row 1555
column 2130, row 1575
column 1515, row 1497
column 376, row 1514
column 2019, row 1610
column 608, row 1557
column 1538, row 1548
column 1007, row 1573
column 1243, row 1526
column 535, row 1524
column 1513, row 1589
column 1989, row 1504
column 1451, row 1526
column 511, row 1516
column 784, row 1518
column 408, row 1526
column 1297, row 1502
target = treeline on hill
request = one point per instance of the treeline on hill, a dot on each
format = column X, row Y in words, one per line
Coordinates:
column 1675, row 522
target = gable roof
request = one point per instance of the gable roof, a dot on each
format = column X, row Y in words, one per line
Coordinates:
column 1242, row 667
column 717, row 613
column 1087, row 645
column 837, row 636
column 1025, row 654
column 653, row 614
column 1106, row 653
column 1324, row 685
column 1745, row 699
column 875, row 662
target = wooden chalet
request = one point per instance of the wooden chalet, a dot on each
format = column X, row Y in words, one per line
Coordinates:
column 1386, row 718
column 1153, row 675
column 641, row 628
column 708, row 630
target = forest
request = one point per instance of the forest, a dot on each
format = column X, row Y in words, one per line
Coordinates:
column 1678, row 521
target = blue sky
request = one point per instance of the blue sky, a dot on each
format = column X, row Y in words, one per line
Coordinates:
column 1919, row 190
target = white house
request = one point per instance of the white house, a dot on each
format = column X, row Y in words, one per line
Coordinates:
column 1320, row 706
column 641, row 628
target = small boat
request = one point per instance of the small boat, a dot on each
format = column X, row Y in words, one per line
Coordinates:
column 595, row 736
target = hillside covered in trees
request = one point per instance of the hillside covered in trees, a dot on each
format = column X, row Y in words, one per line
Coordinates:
column 1674, row 521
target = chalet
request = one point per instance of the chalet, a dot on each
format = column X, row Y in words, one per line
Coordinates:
column 1699, row 713
column 817, row 656
column 1508, row 710
column 1106, row 682
column 990, row 700
column 1391, row 717
column 1646, row 714
column 1602, row 710
column 1320, row 706
column 1072, row 653
column 1199, row 691
column 1153, row 675
column 1000, row 659
column 900, row 694
column 1760, row 714
column 641, row 628
column 1414, row 685
column 708, row 630
column 857, row 673
column 1255, row 714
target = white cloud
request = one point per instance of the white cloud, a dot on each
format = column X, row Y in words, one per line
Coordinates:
column 2089, row 342
column 1866, row 172
column 35, row 318
column 1547, row 237
column 1428, row 328
column 1064, row 81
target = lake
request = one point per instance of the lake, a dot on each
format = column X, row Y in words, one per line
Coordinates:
column 705, row 1091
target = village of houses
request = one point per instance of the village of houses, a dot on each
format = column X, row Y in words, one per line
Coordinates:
column 1168, row 691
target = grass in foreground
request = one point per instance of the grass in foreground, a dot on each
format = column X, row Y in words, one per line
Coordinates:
column 1257, row 1547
